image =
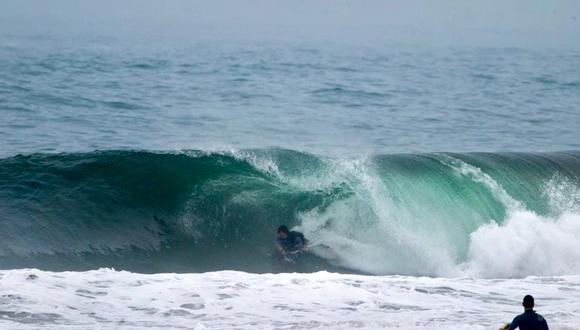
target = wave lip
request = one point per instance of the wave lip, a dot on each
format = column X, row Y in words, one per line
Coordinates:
column 476, row 214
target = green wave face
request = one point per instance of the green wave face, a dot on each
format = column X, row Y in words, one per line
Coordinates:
column 419, row 214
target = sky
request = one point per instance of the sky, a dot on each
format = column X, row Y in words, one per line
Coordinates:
column 519, row 23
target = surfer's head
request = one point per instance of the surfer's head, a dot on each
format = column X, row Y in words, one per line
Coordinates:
column 282, row 232
column 528, row 302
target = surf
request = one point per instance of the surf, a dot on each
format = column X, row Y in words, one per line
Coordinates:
column 438, row 214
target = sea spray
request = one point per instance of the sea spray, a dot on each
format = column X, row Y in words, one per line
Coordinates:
column 526, row 244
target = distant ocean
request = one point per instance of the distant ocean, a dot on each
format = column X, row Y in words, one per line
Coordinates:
column 141, row 184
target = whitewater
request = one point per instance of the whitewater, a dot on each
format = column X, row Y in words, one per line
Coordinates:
column 234, row 300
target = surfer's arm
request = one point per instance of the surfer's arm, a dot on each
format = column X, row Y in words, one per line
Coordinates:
column 515, row 323
column 544, row 325
column 302, row 243
column 280, row 249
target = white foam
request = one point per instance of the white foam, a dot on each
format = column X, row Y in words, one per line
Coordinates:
column 526, row 244
column 107, row 299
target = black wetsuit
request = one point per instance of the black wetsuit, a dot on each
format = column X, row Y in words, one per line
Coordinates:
column 294, row 242
column 529, row 320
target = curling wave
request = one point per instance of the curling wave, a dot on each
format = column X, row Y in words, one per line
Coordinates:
column 480, row 214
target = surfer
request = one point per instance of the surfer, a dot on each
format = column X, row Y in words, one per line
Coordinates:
column 290, row 242
column 529, row 320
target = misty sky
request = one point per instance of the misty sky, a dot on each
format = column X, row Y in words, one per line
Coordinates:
column 520, row 23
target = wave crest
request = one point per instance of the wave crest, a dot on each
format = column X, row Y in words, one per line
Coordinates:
column 412, row 214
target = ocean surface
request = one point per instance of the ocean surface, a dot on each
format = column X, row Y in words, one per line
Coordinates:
column 87, row 93
column 141, row 183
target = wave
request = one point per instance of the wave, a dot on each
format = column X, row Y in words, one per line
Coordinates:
column 444, row 214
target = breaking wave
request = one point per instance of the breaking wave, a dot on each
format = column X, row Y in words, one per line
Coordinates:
column 444, row 214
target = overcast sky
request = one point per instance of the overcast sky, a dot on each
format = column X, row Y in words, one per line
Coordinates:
column 534, row 23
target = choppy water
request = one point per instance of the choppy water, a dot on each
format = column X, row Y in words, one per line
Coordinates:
column 104, row 93
column 460, row 164
column 232, row 300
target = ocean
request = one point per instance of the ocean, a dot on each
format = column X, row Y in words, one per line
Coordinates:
column 141, row 184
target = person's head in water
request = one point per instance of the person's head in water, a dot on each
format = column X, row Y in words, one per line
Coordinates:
column 282, row 232
column 528, row 302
